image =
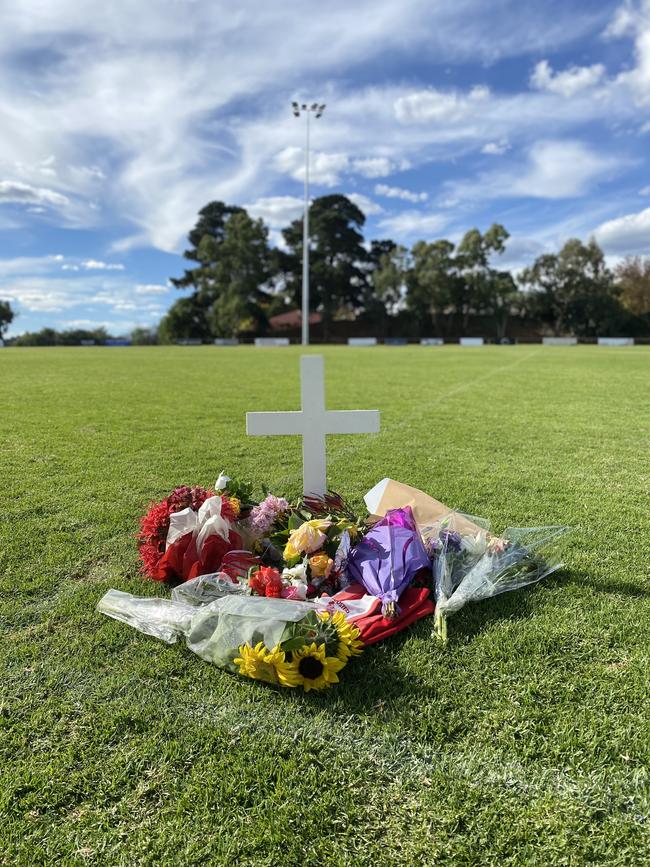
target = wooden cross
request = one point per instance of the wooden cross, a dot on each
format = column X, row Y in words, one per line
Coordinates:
column 312, row 423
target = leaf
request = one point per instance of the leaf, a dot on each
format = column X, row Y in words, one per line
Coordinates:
column 293, row 643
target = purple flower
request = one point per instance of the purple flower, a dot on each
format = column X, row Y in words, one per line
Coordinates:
column 451, row 540
column 432, row 547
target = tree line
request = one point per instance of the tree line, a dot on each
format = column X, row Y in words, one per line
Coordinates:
column 236, row 282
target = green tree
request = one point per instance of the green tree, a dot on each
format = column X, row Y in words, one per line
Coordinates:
column 574, row 290
column 482, row 287
column 501, row 298
column 337, row 258
column 6, row 316
column 432, row 282
column 230, row 285
column 44, row 337
column 185, row 320
column 212, row 222
column 386, row 281
column 144, row 337
column 233, row 265
column 633, row 277
column 74, row 336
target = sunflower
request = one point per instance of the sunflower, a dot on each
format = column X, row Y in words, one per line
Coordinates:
column 259, row 663
column 348, row 635
column 313, row 669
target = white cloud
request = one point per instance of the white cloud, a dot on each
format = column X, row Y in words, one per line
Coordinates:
column 38, row 295
column 366, row 204
column 425, row 106
column 92, row 265
column 552, row 170
column 623, row 22
column 150, row 289
column 43, row 294
column 373, row 167
column 520, row 252
column 560, row 169
column 21, row 193
column 629, row 234
column 130, row 242
column 645, row 191
column 96, row 265
column 276, row 211
column 399, row 193
column 633, row 19
column 411, row 224
column 324, row 168
column 496, row 148
column 30, row 265
column 217, row 86
column 566, row 83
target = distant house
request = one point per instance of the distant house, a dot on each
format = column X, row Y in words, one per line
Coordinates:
column 292, row 319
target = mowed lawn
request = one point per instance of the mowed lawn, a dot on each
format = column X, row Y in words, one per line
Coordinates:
column 526, row 740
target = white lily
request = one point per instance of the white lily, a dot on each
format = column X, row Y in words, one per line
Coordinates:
column 222, row 482
column 475, row 545
column 297, row 573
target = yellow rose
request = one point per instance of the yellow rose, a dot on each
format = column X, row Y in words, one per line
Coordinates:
column 308, row 538
column 319, row 565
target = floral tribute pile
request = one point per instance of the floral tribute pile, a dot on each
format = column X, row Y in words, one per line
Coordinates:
column 287, row 593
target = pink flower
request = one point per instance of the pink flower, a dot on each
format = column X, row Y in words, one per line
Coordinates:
column 263, row 517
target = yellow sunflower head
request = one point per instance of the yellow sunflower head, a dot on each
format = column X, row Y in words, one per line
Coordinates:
column 259, row 663
column 313, row 669
column 348, row 635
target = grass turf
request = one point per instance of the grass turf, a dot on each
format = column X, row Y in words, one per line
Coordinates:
column 524, row 741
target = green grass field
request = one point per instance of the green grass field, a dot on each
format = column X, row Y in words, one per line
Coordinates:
column 526, row 740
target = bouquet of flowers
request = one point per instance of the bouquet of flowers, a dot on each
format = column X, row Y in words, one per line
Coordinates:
column 287, row 593
column 388, row 558
column 286, row 643
column 468, row 568
column 188, row 533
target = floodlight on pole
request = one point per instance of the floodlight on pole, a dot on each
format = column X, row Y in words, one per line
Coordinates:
column 317, row 110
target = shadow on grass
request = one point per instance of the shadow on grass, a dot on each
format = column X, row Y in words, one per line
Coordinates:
column 603, row 585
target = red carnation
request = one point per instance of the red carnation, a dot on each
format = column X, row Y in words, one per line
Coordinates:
column 266, row 582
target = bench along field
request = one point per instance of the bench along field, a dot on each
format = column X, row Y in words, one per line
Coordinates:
column 527, row 733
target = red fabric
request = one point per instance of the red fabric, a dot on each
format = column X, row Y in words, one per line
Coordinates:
column 181, row 560
column 414, row 603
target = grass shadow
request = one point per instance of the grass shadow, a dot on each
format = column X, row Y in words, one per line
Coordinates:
column 603, row 585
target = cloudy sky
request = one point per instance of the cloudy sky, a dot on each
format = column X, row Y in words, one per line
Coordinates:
column 120, row 120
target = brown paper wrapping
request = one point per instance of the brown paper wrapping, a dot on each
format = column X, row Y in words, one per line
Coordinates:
column 426, row 509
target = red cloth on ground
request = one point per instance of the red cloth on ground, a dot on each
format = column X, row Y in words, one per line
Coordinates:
column 414, row 603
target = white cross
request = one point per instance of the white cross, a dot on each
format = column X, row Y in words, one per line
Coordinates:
column 313, row 422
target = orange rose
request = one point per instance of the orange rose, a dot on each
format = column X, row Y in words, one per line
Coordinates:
column 320, row 565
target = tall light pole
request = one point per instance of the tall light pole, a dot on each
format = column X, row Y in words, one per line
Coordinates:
column 307, row 110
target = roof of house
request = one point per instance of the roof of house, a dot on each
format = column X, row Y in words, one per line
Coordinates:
column 293, row 319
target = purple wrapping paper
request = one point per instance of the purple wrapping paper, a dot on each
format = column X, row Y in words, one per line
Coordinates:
column 386, row 560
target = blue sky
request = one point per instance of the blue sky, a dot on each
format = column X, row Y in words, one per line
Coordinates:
column 120, row 120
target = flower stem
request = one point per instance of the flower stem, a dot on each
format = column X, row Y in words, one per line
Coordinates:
column 440, row 626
